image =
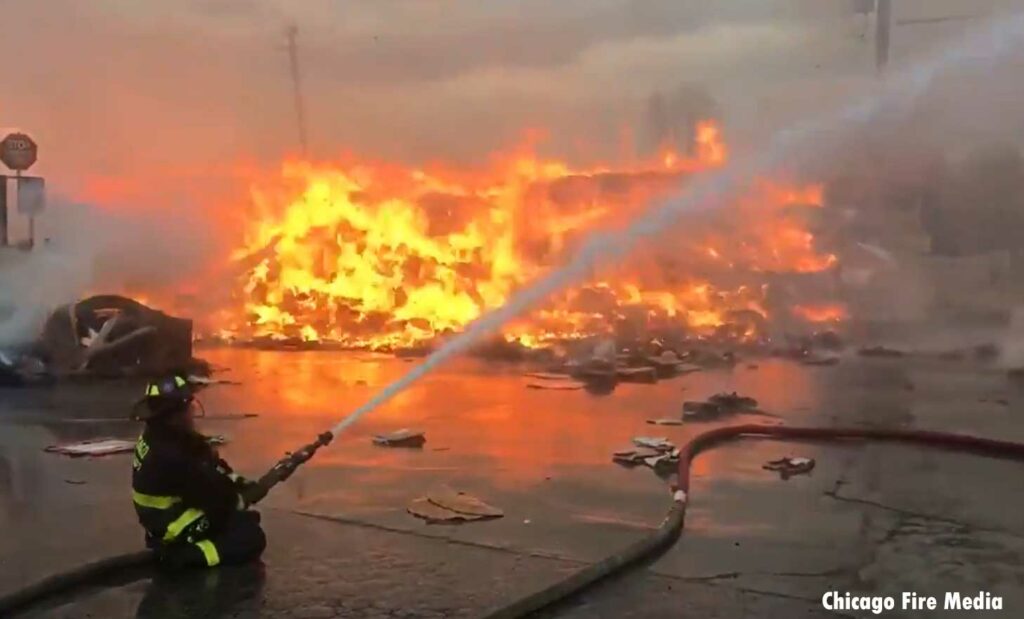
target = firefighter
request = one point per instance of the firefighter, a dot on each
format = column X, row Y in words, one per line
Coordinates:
column 194, row 508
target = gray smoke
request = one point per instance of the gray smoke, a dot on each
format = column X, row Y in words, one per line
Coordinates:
column 806, row 141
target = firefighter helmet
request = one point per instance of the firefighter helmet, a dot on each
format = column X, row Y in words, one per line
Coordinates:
column 165, row 395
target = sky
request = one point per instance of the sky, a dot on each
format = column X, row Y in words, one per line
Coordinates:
column 114, row 88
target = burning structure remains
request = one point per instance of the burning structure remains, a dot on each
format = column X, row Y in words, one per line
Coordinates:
column 387, row 257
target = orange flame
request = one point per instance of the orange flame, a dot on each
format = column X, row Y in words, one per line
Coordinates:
column 380, row 256
column 821, row 313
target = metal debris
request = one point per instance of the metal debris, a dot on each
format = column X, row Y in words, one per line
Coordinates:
column 654, row 452
column 633, row 455
column 659, row 443
column 789, row 466
column 401, row 438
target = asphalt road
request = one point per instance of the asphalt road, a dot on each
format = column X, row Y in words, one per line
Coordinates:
column 877, row 519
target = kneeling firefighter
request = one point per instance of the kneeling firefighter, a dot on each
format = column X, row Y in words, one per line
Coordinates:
column 194, row 508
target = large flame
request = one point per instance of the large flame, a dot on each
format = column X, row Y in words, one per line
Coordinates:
column 375, row 255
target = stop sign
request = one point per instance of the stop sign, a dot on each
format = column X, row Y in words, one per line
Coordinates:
column 18, row 151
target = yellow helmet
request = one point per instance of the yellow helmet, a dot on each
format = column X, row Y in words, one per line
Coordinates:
column 165, row 395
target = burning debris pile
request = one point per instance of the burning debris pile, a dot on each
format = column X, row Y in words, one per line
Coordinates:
column 383, row 257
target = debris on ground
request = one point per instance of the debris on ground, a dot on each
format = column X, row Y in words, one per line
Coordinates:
column 111, row 335
column 637, row 375
column 697, row 410
column 647, row 456
column 107, row 446
column 633, row 455
column 401, row 438
column 687, row 368
column 665, row 459
column 665, row 422
column 651, row 451
column 595, row 376
column 548, row 375
column 97, row 447
column 659, row 443
column 665, row 364
column 75, row 482
column 423, row 508
column 711, row 359
column 721, row 404
column 881, row 351
column 733, row 401
column 816, row 360
column 567, row 384
column 447, row 505
column 789, row 466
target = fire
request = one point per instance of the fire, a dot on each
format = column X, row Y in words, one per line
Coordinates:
column 375, row 255
column 821, row 313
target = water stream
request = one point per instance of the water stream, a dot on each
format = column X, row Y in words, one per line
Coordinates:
column 817, row 137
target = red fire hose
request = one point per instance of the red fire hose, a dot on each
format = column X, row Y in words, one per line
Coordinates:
column 644, row 549
column 672, row 527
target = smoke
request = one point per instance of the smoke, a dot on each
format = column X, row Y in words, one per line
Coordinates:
column 804, row 141
column 82, row 249
column 206, row 81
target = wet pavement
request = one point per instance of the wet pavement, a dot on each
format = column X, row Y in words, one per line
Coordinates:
column 870, row 518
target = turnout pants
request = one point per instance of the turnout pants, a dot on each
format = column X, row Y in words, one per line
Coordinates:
column 240, row 540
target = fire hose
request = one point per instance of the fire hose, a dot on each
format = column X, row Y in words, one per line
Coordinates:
column 645, row 549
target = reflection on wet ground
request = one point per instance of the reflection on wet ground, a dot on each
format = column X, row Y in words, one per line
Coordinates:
column 545, row 458
column 542, row 456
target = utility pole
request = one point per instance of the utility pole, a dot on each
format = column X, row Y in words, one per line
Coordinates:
column 883, row 28
column 884, row 24
column 300, row 111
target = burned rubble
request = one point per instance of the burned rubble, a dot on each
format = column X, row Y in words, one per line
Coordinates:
column 104, row 336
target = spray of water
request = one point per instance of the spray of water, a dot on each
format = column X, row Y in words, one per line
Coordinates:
column 806, row 139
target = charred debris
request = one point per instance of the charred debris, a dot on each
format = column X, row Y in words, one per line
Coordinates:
column 102, row 337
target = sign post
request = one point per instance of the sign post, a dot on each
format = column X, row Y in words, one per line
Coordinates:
column 18, row 152
column 31, row 201
column 3, row 212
